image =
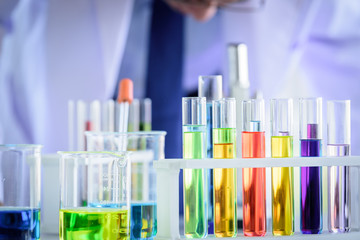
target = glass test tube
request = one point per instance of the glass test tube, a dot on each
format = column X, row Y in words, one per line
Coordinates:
column 224, row 146
column 194, row 147
column 211, row 88
column 145, row 114
column 282, row 178
column 338, row 144
column 310, row 177
column 254, row 181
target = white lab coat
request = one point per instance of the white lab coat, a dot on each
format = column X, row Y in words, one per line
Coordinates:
column 73, row 49
column 56, row 51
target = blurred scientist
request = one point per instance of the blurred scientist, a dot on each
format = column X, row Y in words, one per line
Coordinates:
column 59, row 50
column 305, row 48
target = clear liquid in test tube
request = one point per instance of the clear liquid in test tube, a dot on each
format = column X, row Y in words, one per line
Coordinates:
column 338, row 145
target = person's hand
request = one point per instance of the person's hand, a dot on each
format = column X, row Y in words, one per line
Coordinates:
column 201, row 10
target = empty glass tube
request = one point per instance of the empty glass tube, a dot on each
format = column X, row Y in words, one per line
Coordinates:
column 338, row 145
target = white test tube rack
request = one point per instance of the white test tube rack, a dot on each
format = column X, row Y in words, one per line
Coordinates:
column 168, row 191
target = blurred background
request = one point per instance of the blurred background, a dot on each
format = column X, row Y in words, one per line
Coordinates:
column 54, row 51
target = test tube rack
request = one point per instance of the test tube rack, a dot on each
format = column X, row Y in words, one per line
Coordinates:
column 168, row 191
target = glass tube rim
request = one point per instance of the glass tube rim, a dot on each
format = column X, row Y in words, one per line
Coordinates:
column 140, row 133
column 334, row 123
column 93, row 154
column 310, row 99
column 281, row 99
column 193, row 107
column 253, row 100
column 290, row 110
column 339, row 101
column 227, row 118
column 224, row 99
column 248, row 106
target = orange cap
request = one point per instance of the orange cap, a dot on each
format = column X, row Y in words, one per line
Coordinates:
column 126, row 91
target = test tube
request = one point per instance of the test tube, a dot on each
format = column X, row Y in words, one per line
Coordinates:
column 338, row 145
column 145, row 114
column 282, row 178
column 134, row 116
column 310, row 185
column 224, row 146
column 254, row 179
column 211, row 88
column 194, row 147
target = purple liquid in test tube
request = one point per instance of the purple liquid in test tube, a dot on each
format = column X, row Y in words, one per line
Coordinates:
column 311, row 190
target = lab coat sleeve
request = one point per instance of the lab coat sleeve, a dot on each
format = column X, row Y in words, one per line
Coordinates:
column 6, row 9
column 84, row 47
column 113, row 26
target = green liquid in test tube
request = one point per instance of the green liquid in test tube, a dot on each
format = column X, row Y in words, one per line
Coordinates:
column 195, row 187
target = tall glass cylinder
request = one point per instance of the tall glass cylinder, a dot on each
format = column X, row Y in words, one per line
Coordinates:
column 310, row 145
column 254, row 179
column 107, row 213
column 211, row 88
column 282, row 178
column 338, row 145
column 224, row 146
column 20, row 174
column 195, row 185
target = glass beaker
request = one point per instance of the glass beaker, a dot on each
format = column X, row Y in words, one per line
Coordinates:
column 145, row 148
column 105, row 214
column 20, row 175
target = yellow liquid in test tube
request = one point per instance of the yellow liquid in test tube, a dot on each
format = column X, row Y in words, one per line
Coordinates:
column 282, row 187
column 225, row 219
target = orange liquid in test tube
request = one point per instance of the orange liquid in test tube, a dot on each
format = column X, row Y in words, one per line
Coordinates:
column 254, row 186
